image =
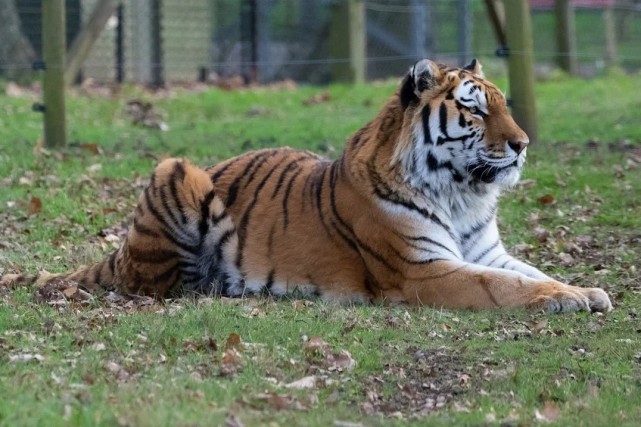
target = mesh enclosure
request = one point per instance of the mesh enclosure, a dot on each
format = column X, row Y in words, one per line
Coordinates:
column 268, row 40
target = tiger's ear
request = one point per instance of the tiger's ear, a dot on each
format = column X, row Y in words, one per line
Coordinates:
column 423, row 75
column 475, row 67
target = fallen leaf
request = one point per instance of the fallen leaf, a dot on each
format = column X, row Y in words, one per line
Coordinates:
column 343, row 360
column 233, row 342
column 566, row 259
column 549, row 414
column 26, row 357
column 92, row 147
column 319, row 98
column 317, row 344
column 70, row 291
column 96, row 167
column 120, row 373
column 548, row 199
column 231, row 362
column 303, row 383
column 537, row 327
column 35, row 206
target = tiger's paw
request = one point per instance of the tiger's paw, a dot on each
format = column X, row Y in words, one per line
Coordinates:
column 571, row 298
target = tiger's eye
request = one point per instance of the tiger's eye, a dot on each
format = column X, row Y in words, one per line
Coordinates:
column 474, row 110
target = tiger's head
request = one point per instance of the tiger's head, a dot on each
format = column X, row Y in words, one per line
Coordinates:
column 457, row 129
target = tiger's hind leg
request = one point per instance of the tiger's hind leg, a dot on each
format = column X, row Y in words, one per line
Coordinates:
column 181, row 234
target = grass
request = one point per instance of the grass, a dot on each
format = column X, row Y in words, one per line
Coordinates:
column 141, row 363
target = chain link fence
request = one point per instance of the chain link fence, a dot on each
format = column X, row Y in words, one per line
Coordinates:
column 268, row 40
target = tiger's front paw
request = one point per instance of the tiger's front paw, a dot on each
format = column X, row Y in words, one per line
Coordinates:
column 571, row 298
column 599, row 299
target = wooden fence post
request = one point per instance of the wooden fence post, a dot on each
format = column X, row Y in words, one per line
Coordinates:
column 518, row 31
column 53, row 81
column 347, row 41
column 610, row 56
column 565, row 36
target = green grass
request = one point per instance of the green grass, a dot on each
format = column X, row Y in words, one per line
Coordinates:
column 109, row 363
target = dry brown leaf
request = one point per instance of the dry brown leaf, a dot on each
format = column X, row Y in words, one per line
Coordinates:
column 92, row 147
column 341, row 361
column 68, row 292
column 319, row 98
column 537, row 327
column 231, row 362
column 541, row 234
column 233, row 342
column 549, row 414
column 547, row 199
column 35, row 206
column 317, row 345
column 119, row 372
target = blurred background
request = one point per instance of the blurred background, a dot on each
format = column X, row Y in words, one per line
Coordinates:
column 165, row 41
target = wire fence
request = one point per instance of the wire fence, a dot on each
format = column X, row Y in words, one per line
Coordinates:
column 270, row 40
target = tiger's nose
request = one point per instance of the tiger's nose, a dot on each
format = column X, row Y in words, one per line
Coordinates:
column 518, row 146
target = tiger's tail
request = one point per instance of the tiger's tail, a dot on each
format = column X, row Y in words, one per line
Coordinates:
column 181, row 233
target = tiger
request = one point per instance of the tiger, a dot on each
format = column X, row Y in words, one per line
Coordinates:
column 407, row 214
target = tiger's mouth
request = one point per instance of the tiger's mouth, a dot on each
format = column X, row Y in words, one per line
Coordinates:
column 489, row 170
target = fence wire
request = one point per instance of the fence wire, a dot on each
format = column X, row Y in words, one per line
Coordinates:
column 272, row 40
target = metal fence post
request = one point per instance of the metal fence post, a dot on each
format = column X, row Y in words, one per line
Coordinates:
column 157, row 74
column 53, row 81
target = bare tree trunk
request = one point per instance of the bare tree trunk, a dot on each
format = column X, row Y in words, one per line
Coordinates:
column 16, row 53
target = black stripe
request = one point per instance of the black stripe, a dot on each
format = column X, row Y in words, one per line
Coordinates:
column 443, row 119
column 203, row 226
column 411, row 261
column 168, row 209
column 271, row 154
column 223, row 240
column 485, row 252
column 319, row 193
column 270, row 281
column 293, row 164
column 288, row 189
column 216, row 219
column 164, row 229
column 351, row 243
column 361, row 245
column 432, row 163
column 231, row 162
column 427, row 134
column 178, row 175
column 429, row 241
column 154, row 256
column 112, row 262
column 143, row 229
column 242, row 227
column 235, row 185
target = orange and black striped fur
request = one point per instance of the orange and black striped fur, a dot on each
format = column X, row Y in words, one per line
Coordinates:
column 406, row 214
